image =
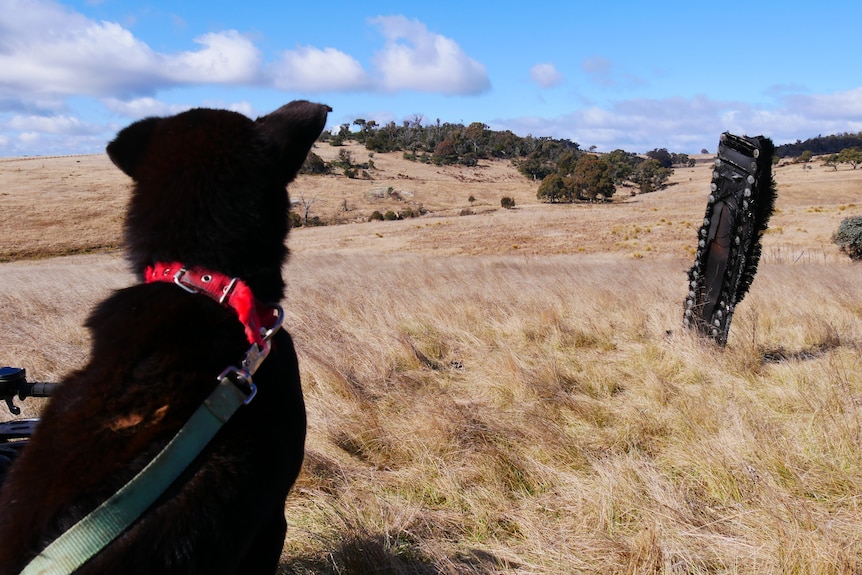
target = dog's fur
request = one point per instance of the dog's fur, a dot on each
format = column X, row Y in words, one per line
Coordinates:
column 209, row 191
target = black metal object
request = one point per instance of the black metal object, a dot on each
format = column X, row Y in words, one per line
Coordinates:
column 740, row 204
column 14, row 434
column 13, row 383
column 13, row 438
column 11, row 379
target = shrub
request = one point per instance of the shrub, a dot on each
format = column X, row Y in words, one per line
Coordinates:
column 804, row 157
column 469, row 159
column 314, row 164
column 390, row 215
column 375, row 215
column 553, row 189
column 507, row 202
column 848, row 237
column 445, row 153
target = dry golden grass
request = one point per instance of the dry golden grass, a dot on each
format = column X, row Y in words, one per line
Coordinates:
column 57, row 206
column 444, row 190
column 67, row 205
column 530, row 415
column 511, row 392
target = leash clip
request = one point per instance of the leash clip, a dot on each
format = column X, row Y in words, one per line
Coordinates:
column 236, row 375
column 254, row 357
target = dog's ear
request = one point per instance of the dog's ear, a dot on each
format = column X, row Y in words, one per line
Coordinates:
column 127, row 149
column 292, row 129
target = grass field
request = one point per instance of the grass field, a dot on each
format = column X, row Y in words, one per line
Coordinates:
column 511, row 391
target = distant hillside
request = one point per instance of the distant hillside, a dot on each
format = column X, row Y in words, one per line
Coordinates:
column 820, row 145
column 446, row 143
column 567, row 173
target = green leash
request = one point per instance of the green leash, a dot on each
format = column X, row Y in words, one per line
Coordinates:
column 92, row 533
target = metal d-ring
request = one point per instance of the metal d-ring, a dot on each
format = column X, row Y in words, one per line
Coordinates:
column 279, row 320
column 240, row 375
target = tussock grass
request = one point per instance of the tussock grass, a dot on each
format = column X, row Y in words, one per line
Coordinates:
column 43, row 306
column 502, row 414
column 59, row 206
column 533, row 416
column 475, row 408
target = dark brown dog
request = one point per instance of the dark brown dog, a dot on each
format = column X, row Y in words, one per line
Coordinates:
column 209, row 192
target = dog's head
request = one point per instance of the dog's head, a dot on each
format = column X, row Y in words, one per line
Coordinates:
column 210, row 189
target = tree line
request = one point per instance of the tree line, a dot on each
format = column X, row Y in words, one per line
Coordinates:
column 821, row 145
column 439, row 143
column 566, row 172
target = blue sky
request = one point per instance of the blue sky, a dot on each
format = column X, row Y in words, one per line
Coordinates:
column 611, row 74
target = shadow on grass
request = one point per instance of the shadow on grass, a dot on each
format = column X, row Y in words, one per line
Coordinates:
column 366, row 555
column 779, row 354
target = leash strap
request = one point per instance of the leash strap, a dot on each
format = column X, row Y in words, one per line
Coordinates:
column 90, row 535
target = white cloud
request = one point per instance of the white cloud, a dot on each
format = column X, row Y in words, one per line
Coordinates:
column 51, row 56
column 837, row 106
column 55, row 52
column 545, row 75
column 226, row 58
column 689, row 124
column 29, row 137
column 138, row 108
column 142, row 107
column 36, row 136
column 686, row 124
column 315, row 70
column 50, row 51
column 33, row 134
column 50, row 124
column 244, row 108
column 416, row 59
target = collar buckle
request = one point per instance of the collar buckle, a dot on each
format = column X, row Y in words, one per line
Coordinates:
column 178, row 279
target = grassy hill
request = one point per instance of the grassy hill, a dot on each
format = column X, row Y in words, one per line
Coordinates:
column 66, row 205
column 510, row 391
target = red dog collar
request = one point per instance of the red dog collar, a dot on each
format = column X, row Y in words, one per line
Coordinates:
column 230, row 292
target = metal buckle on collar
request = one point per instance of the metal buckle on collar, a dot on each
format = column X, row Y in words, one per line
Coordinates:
column 179, row 281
